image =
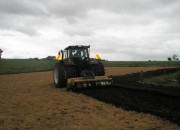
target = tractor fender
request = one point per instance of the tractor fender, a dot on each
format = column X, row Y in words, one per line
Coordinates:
column 93, row 61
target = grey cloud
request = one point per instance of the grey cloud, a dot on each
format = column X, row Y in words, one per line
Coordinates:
column 80, row 8
column 138, row 7
column 117, row 29
column 21, row 7
column 78, row 32
column 28, row 25
column 67, row 8
column 19, row 16
column 78, row 29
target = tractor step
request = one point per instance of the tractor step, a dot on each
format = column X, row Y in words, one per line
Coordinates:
column 83, row 82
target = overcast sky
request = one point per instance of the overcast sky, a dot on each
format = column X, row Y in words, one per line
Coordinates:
column 116, row 29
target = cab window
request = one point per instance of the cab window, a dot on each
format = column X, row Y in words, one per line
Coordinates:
column 79, row 53
column 65, row 54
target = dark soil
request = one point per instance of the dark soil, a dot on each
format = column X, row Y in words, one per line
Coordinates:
column 131, row 95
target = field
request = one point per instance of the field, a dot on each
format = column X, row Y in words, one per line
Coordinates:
column 30, row 101
column 14, row 66
column 141, row 63
column 168, row 80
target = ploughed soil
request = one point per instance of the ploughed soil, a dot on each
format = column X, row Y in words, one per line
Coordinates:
column 30, row 101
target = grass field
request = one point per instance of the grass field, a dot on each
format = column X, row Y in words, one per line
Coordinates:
column 13, row 66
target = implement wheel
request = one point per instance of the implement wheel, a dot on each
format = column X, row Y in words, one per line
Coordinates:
column 59, row 75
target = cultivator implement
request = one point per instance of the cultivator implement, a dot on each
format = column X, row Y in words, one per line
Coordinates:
column 88, row 80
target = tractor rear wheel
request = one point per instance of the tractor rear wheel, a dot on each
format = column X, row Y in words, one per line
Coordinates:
column 95, row 69
column 98, row 69
column 59, row 74
column 101, row 69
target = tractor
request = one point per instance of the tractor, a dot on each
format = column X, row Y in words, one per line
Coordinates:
column 76, row 69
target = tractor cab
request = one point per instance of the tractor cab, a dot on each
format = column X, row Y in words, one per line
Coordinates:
column 75, row 52
column 76, row 55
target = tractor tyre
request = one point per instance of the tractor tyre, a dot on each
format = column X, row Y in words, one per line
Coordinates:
column 101, row 69
column 95, row 70
column 59, row 75
column 98, row 69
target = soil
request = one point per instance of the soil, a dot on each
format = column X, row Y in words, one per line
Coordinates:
column 159, row 104
column 30, row 101
column 129, row 70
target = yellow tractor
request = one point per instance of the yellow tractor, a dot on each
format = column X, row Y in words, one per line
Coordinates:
column 76, row 70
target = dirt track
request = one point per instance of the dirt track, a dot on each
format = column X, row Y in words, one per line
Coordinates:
column 30, row 101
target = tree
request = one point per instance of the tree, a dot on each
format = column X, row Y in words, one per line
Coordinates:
column 1, row 52
column 175, row 57
column 169, row 58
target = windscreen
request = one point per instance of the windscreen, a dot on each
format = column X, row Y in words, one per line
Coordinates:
column 80, row 53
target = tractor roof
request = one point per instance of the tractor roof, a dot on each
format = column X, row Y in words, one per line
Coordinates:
column 77, row 47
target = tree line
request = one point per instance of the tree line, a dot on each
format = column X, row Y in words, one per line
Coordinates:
column 173, row 58
column 1, row 51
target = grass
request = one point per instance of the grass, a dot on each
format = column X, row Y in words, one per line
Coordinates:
column 14, row 66
column 168, row 80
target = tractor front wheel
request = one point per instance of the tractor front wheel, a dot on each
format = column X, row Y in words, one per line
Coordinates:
column 59, row 76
